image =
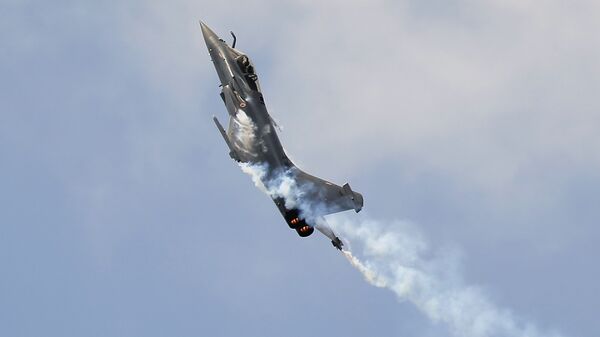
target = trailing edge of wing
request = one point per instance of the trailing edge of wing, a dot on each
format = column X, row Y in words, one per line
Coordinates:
column 327, row 198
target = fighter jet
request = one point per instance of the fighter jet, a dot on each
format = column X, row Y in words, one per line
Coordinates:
column 252, row 140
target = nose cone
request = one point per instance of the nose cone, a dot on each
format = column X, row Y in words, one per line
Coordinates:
column 209, row 36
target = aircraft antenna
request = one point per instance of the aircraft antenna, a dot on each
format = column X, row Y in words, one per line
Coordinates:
column 234, row 39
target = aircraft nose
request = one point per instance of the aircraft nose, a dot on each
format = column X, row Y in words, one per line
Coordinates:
column 209, row 36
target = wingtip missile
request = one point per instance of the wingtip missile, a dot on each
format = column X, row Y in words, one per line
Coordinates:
column 337, row 243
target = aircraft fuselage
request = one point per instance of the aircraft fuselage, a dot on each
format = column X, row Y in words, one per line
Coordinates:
column 252, row 138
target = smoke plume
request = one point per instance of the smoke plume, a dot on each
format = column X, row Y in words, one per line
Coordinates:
column 397, row 257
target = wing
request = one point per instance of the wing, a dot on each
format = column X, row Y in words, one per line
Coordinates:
column 320, row 197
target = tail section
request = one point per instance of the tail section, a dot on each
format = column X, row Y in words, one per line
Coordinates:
column 357, row 198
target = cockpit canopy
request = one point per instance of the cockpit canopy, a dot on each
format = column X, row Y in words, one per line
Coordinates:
column 248, row 71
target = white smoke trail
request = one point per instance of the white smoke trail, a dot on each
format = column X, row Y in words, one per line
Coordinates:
column 282, row 185
column 397, row 257
column 244, row 128
column 369, row 274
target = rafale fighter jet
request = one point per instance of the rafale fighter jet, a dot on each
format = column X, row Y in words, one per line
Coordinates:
column 252, row 140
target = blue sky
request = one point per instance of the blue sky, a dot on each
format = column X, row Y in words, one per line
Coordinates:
column 122, row 214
